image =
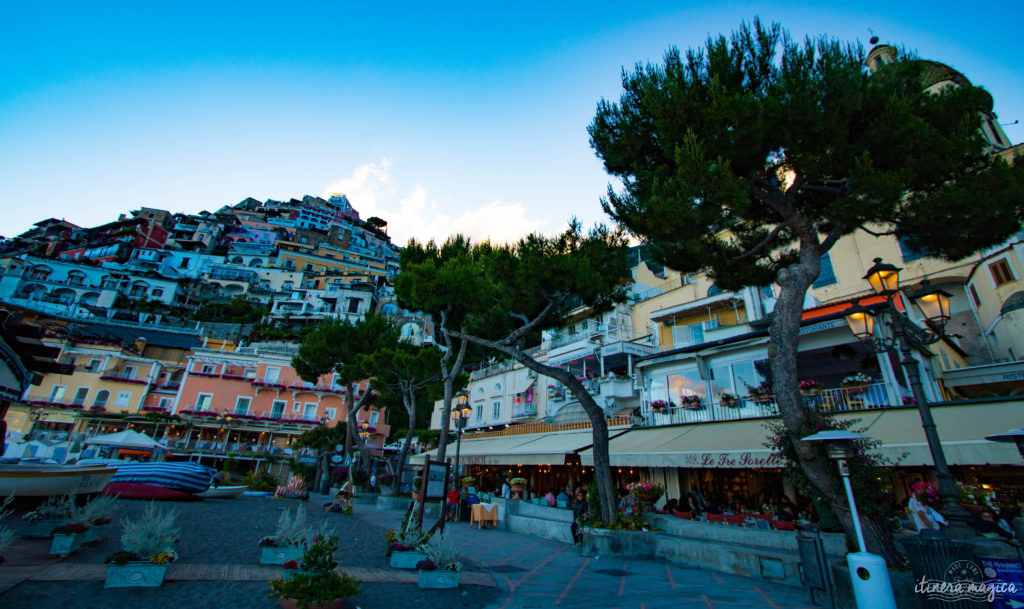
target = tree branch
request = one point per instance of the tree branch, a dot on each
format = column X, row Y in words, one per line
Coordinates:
column 764, row 242
column 876, row 234
column 834, row 235
column 529, row 326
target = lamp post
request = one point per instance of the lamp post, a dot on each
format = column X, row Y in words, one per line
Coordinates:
column 460, row 416
column 896, row 331
column 868, row 572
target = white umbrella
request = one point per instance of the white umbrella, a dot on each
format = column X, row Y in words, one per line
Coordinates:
column 125, row 439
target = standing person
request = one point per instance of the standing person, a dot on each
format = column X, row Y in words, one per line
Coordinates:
column 580, row 514
column 452, row 503
column 506, row 490
column 919, row 512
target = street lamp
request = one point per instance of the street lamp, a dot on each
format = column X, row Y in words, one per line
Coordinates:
column 895, row 331
column 868, row 572
column 460, row 416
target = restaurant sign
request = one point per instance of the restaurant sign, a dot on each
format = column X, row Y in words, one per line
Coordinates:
column 732, row 459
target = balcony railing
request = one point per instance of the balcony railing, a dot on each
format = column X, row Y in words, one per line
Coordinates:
column 840, row 399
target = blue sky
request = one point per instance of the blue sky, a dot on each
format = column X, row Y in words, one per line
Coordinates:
column 457, row 117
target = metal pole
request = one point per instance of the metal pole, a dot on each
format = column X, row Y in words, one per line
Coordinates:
column 459, row 424
column 844, row 471
column 951, row 509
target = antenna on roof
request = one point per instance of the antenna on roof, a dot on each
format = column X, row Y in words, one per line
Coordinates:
column 874, row 37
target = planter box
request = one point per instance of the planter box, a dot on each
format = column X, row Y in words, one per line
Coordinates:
column 439, row 579
column 65, row 544
column 135, row 574
column 91, row 535
column 280, row 555
column 43, row 529
column 407, row 559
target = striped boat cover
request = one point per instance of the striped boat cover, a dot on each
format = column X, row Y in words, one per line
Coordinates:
column 187, row 477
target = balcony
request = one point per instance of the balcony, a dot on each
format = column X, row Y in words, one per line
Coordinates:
column 122, row 379
column 841, row 399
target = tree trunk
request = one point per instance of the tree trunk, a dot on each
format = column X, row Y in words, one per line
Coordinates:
column 409, row 401
column 448, row 375
column 602, row 462
column 782, row 351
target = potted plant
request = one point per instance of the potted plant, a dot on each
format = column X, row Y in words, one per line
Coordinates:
column 692, row 402
column 147, row 547
column 288, row 541
column 96, row 513
column 647, row 492
column 48, row 516
column 417, row 484
column 518, row 485
column 659, row 406
column 317, row 585
column 728, row 400
column 856, row 383
column 762, row 394
column 406, row 549
column 386, row 482
column 67, row 538
column 443, row 566
column 809, row 387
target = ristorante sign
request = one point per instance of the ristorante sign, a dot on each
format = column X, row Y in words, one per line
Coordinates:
column 734, row 459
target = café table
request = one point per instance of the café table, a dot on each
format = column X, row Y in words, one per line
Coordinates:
column 484, row 512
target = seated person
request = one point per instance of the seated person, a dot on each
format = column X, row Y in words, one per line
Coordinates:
column 987, row 525
column 550, row 499
column 341, row 499
column 563, row 496
column 671, row 505
column 711, row 506
column 786, row 514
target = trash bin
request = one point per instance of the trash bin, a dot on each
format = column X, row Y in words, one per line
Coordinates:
column 870, row 577
column 932, row 557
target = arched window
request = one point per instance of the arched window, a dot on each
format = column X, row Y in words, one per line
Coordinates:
column 236, row 260
column 75, row 278
column 101, row 398
column 389, row 309
column 713, row 290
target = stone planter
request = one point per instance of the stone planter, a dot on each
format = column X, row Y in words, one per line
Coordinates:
column 439, row 578
column 278, row 555
column 62, row 544
column 517, row 491
column 43, row 529
column 648, row 501
column 135, row 574
column 407, row 559
column 91, row 535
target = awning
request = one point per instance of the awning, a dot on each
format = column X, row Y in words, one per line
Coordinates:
column 740, row 444
column 524, row 449
column 522, row 384
column 983, row 375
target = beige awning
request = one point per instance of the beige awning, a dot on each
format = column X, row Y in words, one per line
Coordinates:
column 740, row 444
column 524, row 449
column 523, row 383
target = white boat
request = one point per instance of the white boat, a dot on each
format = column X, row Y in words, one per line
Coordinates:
column 36, row 480
column 223, row 492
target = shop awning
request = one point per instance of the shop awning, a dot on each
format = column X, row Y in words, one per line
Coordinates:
column 524, row 449
column 740, row 444
column 1007, row 372
column 522, row 384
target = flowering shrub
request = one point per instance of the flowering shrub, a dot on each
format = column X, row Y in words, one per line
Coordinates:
column 691, row 402
column 268, row 542
column 809, row 384
column 926, row 493
column 975, row 495
column 517, row 482
column 163, row 558
column 426, row 565
column 645, row 488
column 123, row 557
column 909, row 401
column 291, row 564
column 856, row 379
column 659, row 405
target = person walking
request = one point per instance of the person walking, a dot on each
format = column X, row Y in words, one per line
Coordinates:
column 580, row 514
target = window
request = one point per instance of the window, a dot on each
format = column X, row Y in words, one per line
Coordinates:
column 123, row 398
column 309, row 267
column 826, row 276
column 714, row 290
column 203, row 401
column 309, row 413
column 157, row 292
column 479, row 412
column 496, row 410
column 183, row 264
column 277, row 408
column 94, row 365
column 80, row 394
column 208, row 368
column 289, row 264
column 353, row 305
column 242, row 405
column 374, row 417
column 250, row 373
column 57, row 393
column 974, row 296
column 331, row 413
column 1001, row 272
column 286, row 286
column 297, row 407
column 129, row 372
column 908, row 252
column 101, row 398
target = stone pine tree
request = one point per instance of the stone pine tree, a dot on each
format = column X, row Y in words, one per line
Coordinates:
column 528, row 287
column 445, row 282
column 340, row 346
column 406, row 372
column 750, row 157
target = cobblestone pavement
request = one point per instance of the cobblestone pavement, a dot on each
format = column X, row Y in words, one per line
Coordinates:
column 218, row 568
column 218, row 564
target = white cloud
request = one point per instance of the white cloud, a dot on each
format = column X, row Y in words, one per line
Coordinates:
column 416, row 214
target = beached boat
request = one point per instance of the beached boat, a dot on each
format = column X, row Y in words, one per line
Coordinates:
column 223, row 492
column 32, row 480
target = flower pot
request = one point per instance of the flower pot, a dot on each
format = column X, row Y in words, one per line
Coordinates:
column 135, row 574
column 856, row 388
column 91, row 535
column 290, row 603
column 278, row 555
column 407, row 559
column 439, row 578
column 43, row 529
column 517, row 491
column 63, row 545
